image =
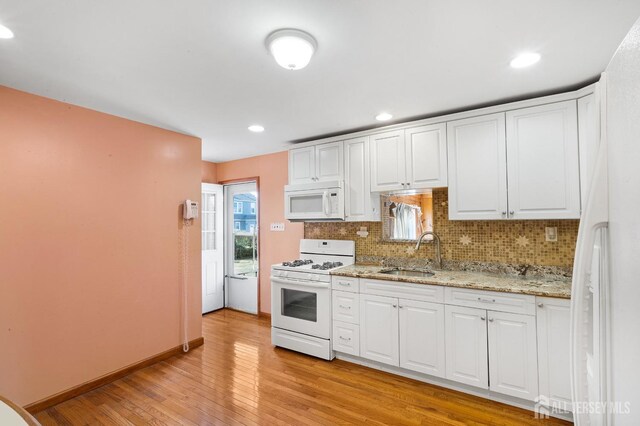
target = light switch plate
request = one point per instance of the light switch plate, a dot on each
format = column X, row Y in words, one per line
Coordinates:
column 277, row 227
column 551, row 234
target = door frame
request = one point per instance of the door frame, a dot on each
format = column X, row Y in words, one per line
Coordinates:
column 251, row 179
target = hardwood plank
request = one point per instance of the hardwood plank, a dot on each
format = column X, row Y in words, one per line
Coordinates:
column 238, row 377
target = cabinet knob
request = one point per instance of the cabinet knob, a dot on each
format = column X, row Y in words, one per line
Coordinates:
column 504, row 213
column 490, row 319
column 482, row 318
column 400, row 306
column 511, row 213
column 540, row 305
column 395, row 306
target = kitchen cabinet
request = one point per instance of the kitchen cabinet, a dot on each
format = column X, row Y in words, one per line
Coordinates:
column 317, row 163
column 534, row 149
column 543, row 162
column 360, row 203
column 477, row 168
column 513, row 363
column 553, row 325
column 466, row 346
column 379, row 328
column 414, row 158
column 422, row 333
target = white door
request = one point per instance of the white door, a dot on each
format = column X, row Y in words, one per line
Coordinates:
column 422, row 337
column 466, row 343
column 388, row 161
column 513, row 358
column 329, row 161
column 553, row 327
column 379, row 329
column 477, row 168
column 212, row 248
column 543, row 162
column 302, row 165
column 360, row 203
column 426, row 151
column 241, row 247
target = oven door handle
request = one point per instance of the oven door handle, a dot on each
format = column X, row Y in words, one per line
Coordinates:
column 299, row 283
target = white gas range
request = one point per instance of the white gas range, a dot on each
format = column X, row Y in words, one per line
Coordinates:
column 301, row 296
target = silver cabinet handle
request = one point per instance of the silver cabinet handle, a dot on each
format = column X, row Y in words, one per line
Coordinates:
column 348, row 339
column 345, row 307
column 540, row 305
column 480, row 299
column 490, row 319
column 504, row 213
column 482, row 318
column 344, row 284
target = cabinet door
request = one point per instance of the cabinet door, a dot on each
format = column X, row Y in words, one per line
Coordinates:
column 466, row 344
column 543, row 163
column 426, row 152
column 588, row 140
column 360, row 204
column 422, row 337
column 302, row 165
column 379, row 328
column 513, row 362
column 553, row 324
column 477, row 168
column 329, row 161
column 388, row 161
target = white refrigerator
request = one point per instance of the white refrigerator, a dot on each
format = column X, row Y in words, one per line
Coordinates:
column 605, row 304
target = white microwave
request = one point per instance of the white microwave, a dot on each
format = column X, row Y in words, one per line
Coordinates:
column 314, row 201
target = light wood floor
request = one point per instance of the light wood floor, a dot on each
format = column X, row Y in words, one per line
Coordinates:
column 237, row 377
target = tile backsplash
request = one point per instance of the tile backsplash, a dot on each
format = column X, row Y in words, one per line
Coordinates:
column 495, row 241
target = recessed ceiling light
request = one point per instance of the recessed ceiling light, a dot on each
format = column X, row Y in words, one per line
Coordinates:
column 292, row 49
column 5, row 32
column 384, row 116
column 525, row 60
column 256, row 128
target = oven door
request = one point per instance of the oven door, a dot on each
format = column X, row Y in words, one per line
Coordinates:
column 314, row 204
column 301, row 306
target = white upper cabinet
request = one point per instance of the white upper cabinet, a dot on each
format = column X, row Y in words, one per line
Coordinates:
column 477, row 168
column 553, row 324
column 316, row 163
column 360, row 203
column 513, row 360
column 426, row 156
column 466, row 346
column 542, row 162
column 589, row 140
column 379, row 328
column 388, row 161
column 302, row 165
column 422, row 337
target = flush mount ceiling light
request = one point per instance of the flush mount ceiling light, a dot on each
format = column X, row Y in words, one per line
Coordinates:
column 525, row 60
column 292, row 49
column 256, row 128
column 5, row 32
column 384, row 116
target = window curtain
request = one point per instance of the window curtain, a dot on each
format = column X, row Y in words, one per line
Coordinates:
column 408, row 221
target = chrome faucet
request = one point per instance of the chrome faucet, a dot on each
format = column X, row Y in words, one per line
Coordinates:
column 436, row 240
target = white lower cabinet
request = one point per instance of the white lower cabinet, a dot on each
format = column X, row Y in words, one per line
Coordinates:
column 513, row 363
column 553, row 324
column 466, row 343
column 346, row 338
column 422, row 337
column 379, row 328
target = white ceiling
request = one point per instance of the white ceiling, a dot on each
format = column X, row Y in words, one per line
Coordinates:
column 200, row 66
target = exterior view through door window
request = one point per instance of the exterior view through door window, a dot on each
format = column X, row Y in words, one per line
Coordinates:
column 245, row 239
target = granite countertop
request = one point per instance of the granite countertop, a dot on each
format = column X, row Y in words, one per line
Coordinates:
column 549, row 287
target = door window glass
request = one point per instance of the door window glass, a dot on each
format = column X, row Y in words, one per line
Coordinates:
column 209, row 221
column 245, row 237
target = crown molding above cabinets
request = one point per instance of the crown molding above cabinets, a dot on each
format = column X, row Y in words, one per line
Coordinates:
column 522, row 160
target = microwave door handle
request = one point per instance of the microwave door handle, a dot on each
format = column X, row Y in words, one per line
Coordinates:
column 325, row 203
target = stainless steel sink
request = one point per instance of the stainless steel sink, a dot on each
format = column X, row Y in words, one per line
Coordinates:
column 408, row 272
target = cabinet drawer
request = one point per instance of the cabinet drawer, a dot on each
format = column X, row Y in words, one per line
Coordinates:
column 345, row 284
column 493, row 300
column 346, row 338
column 346, row 306
column 422, row 292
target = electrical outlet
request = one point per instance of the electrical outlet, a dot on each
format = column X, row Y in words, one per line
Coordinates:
column 551, row 234
column 277, row 227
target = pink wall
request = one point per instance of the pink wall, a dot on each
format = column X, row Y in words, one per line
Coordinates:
column 275, row 247
column 89, row 243
column 209, row 172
